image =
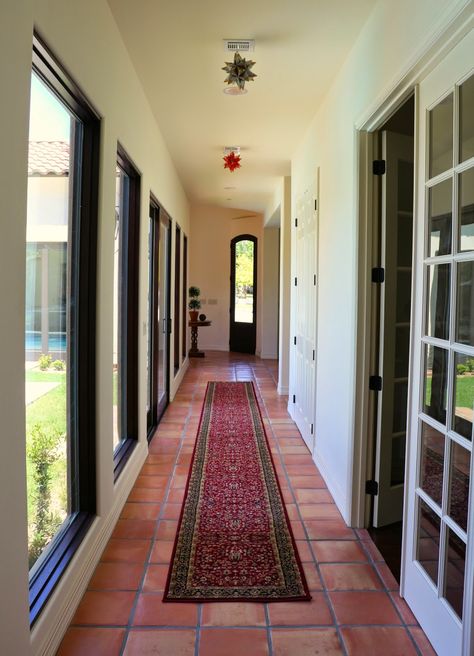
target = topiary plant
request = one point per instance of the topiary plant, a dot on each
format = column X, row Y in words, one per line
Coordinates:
column 194, row 303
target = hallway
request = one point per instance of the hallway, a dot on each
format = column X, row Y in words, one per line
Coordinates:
column 355, row 610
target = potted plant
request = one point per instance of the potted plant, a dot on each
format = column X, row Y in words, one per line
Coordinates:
column 194, row 303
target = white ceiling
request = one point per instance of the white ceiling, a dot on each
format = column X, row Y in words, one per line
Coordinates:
column 177, row 50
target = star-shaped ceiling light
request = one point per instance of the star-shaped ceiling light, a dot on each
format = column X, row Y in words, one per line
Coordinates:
column 232, row 161
column 238, row 73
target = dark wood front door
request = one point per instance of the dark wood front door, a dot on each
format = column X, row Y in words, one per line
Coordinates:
column 243, row 294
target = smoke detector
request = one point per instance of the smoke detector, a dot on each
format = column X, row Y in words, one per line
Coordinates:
column 239, row 45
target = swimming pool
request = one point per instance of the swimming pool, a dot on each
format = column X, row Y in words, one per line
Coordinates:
column 56, row 341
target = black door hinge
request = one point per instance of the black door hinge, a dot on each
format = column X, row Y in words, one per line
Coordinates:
column 314, row 280
column 296, row 223
column 294, row 398
column 378, row 167
column 375, row 383
column 294, row 340
column 312, row 429
column 315, row 204
column 378, row 274
column 372, row 488
column 296, row 282
column 314, row 354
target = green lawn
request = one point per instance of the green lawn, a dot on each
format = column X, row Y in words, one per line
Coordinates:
column 464, row 391
column 49, row 414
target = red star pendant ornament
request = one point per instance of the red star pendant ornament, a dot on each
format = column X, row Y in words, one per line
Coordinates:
column 231, row 161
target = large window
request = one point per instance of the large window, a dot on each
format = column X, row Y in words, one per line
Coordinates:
column 60, row 302
column 125, row 310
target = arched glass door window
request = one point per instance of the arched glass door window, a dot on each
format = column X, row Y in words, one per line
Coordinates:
column 243, row 294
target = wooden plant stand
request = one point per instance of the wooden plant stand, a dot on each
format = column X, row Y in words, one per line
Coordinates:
column 194, row 351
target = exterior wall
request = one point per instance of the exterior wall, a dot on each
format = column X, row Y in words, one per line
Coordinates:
column 85, row 38
column 213, row 228
column 391, row 42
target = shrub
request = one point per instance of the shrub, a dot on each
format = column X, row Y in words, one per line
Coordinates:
column 470, row 364
column 461, row 369
column 194, row 304
column 44, row 361
column 59, row 365
column 43, row 451
column 194, row 292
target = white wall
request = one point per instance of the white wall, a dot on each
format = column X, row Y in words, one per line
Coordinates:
column 390, row 42
column 281, row 203
column 213, row 228
column 270, row 285
column 84, row 37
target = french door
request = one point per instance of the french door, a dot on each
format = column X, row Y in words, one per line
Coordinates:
column 395, row 297
column 158, row 315
column 243, row 294
column 438, row 539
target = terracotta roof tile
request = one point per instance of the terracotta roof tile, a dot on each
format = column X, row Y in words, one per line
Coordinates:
column 48, row 158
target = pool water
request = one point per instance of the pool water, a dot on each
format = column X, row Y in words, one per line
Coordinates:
column 56, row 341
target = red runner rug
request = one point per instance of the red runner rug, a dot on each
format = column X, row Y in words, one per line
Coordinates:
column 234, row 541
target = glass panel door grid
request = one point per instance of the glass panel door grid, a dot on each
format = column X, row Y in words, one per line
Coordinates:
column 447, row 403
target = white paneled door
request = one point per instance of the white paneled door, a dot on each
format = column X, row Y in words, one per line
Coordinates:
column 304, row 314
column 438, row 539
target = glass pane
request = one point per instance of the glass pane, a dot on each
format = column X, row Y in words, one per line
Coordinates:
column 440, row 204
column 463, row 395
column 397, row 467
column 151, row 328
column 459, row 484
column 121, row 203
column 403, row 296
column 404, row 240
column 466, row 209
column 455, row 566
column 402, row 351
column 427, row 552
column 47, row 307
column 162, row 310
column 438, row 295
column 441, row 137
column 435, row 386
column 244, row 281
column 465, row 303
column 432, row 462
column 400, row 397
column 466, row 122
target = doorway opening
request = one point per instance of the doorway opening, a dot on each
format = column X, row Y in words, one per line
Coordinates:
column 392, row 249
column 243, row 294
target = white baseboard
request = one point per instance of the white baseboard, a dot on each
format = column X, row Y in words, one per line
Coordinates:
column 269, row 355
column 56, row 617
column 333, row 487
column 176, row 381
column 283, row 389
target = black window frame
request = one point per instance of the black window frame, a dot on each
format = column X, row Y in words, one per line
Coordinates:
column 128, row 314
column 51, row 565
column 184, row 295
column 177, row 299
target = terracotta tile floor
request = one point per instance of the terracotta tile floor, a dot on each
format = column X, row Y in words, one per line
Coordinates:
column 355, row 610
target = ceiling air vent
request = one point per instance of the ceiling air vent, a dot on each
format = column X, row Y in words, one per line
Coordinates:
column 239, row 45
